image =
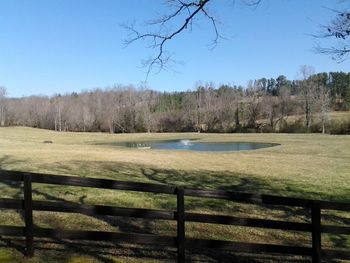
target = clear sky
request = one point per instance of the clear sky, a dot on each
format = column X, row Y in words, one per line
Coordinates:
column 60, row 46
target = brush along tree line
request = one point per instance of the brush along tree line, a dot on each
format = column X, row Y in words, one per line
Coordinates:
column 264, row 105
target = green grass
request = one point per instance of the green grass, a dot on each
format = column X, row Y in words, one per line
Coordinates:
column 303, row 165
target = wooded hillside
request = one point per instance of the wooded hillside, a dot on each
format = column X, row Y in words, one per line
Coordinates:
column 264, row 105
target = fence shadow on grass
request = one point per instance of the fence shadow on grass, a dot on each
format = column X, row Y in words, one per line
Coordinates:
column 224, row 181
column 61, row 251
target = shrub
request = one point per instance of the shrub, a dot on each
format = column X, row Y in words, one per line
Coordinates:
column 316, row 127
column 339, row 126
column 297, row 127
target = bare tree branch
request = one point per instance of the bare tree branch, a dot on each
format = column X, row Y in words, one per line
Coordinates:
column 214, row 22
column 339, row 30
column 253, row 3
column 159, row 38
column 162, row 31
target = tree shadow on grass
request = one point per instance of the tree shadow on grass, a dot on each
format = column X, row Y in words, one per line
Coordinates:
column 228, row 181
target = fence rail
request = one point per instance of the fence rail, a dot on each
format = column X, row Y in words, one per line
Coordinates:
column 180, row 241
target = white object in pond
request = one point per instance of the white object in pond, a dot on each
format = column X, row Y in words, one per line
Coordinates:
column 144, row 147
column 186, row 142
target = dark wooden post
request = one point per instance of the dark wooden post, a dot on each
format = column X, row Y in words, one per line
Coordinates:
column 28, row 214
column 316, row 232
column 180, row 225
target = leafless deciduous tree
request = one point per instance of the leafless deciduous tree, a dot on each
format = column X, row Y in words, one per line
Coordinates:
column 270, row 108
column 308, row 91
column 253, row 103
column 180, row 18
column 2, row 106
column 207, row 108
column 162, row 34
column 284, row 105
column 315, row 95
column 339, row 30
column 324, row 106
column 183, row 13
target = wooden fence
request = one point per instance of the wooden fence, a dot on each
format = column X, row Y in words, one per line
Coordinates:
column 29, row 231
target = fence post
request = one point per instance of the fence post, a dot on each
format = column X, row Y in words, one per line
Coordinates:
column 180, row 225
column 316, row 232
column 28, row 214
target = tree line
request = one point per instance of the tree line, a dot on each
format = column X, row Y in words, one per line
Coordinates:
column 263, row 105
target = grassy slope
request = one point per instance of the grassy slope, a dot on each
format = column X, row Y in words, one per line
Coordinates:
column 309, row 165
column 312, row 165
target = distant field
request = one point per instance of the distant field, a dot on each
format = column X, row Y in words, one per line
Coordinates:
column 334, row 115
column 334, row 122
column 303, row 165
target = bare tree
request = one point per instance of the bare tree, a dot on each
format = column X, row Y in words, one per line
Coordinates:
column 147, row 103
column 270, row 107
column 338, row 29
column 284, row 105
column 87, row 116
column 183, row 13
column 208, row 107
column 58, row 112
column 223, row 109
column 2, row 106
column 181, row 17
column 308, row 92
column 253, row 103
column 110, row 109
column 324, row 104
column 186, row 11
column 190, row 111
column 228, row 99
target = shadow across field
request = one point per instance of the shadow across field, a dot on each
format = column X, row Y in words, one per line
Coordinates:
column 62, row 251
column 229, row 181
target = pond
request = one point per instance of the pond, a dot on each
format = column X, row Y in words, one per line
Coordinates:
column 192, row 145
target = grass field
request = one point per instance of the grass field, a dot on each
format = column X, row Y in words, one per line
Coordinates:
column 303, row 165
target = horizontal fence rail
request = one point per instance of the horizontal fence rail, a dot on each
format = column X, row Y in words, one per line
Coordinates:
column 29, row 231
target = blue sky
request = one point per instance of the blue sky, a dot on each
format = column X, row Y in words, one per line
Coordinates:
column 61, row 46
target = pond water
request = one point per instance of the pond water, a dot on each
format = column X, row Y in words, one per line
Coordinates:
column 193, row 145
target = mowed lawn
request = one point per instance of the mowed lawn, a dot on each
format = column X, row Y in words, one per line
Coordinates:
column 302, row 165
